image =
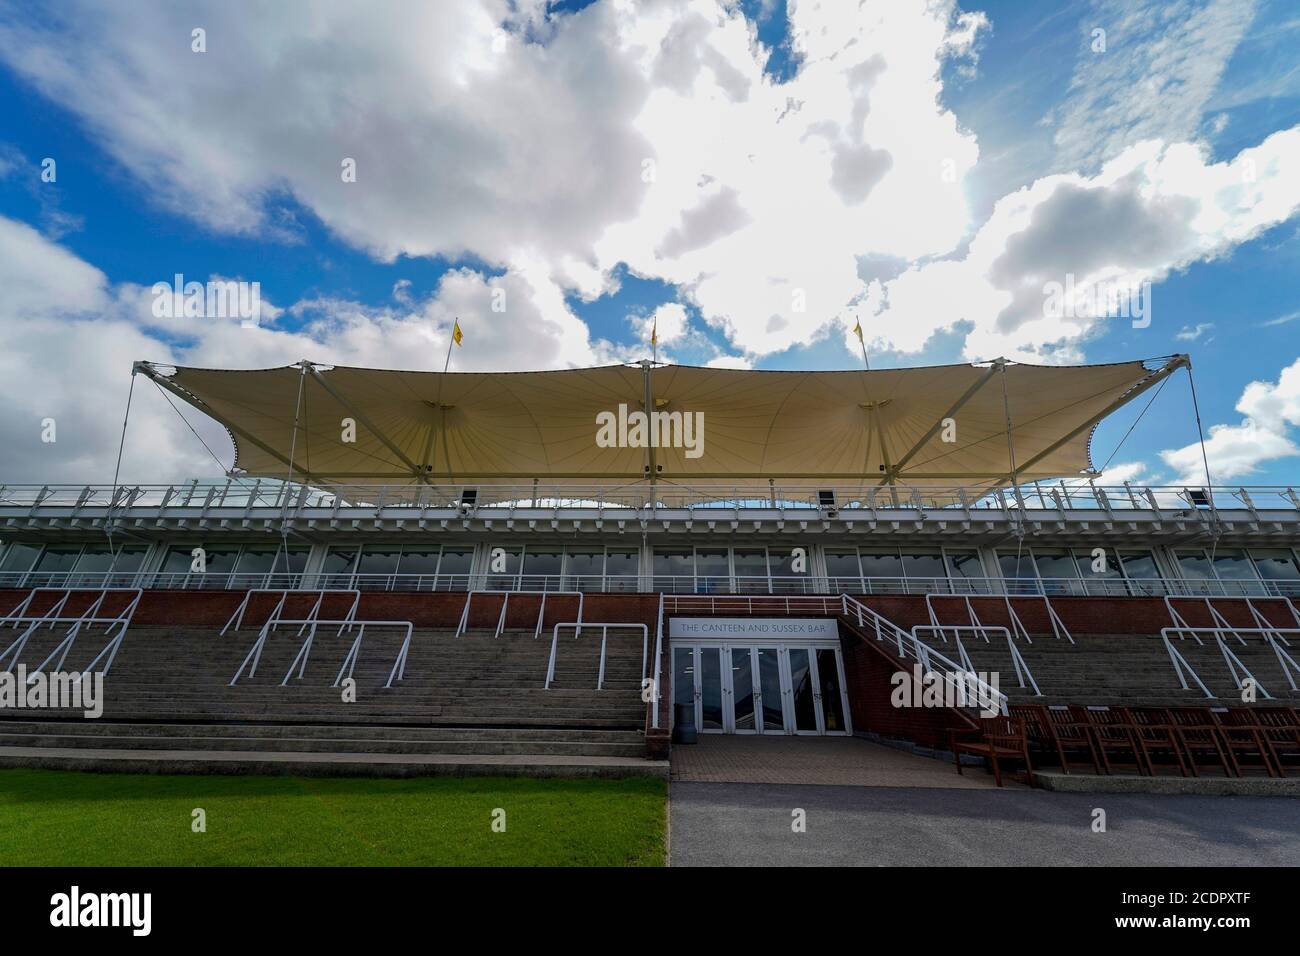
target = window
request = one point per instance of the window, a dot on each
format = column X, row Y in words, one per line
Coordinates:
column 621, row 571
column 18, row 560
column 454, row 567
column 965, row 567
column 542, row 569
column 1228, row 571
column 674, row 570
column 925, row 572
column 417, row 569
column 339, row 566
column 1142, row 572
column 53, row 564
column 752, row 570
column 712, row 571
column 843, row 571
column 1276, row 566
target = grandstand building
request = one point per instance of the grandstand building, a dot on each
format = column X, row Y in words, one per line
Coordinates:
column 412, row 572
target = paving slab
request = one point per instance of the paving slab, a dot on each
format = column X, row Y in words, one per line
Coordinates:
column 838, row 761
column 730, row 824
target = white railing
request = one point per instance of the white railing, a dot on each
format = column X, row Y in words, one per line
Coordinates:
column 843, row 605
column 250, row 493
column 810, row 585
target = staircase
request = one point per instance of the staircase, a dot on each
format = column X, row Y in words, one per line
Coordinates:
column 469, row 704
column 1122, row 669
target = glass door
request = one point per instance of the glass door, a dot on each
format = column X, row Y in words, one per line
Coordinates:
column 743, row 698
column 710, row 710
column 770, row 698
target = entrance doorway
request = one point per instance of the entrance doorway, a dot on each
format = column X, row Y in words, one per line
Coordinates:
column 762, row 688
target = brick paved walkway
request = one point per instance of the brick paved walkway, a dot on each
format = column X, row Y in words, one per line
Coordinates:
column 844, row 761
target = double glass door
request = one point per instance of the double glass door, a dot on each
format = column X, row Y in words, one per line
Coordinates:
column 762, row 688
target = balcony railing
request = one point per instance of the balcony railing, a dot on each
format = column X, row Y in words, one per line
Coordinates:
column 670, row 584
column 247, row 494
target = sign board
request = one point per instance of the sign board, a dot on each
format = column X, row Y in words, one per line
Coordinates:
column 749, row 628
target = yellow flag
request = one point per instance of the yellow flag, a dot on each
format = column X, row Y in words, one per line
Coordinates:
column 654, row 333
column 857, row 329
column 455, row 332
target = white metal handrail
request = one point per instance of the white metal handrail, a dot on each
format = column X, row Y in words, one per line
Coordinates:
column 673, row 584
column 237, row 618
column 247, row 494
column 844, row 605
column 87, row 619
column 604, row 635
column 920, row 651
column 254, row 655
column 505, row 603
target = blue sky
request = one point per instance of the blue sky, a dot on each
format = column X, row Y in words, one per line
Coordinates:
column 139, row 205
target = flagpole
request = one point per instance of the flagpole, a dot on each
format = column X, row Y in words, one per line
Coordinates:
column 451, row 340
column 862, row 342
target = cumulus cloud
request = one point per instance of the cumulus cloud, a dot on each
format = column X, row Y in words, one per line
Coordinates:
column 1151, row 210
column 1161, row 62
column 71, row 337
column 561, row 144
column 1271, row 410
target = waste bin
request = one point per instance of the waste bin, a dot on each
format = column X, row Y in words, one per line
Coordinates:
column 684, row 724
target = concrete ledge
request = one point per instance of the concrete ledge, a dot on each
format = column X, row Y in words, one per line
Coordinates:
column 1216, row 786
column 329, row 764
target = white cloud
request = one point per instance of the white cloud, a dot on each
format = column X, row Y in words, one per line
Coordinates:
column 1162, row 63
column 1119, row 473
column 527, row 148
column 1153, row 209
column 1271, row 410
column 71, row 337
column 1191, row 334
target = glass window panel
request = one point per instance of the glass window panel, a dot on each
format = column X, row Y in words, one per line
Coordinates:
column 378, row 560
column 712, row 570
column 418, row 562
column 454, row 567
column 338, row 567
column 621, row 570
column 965, row 564
column 828, row 675
column 60, row 558
column 20, row 557
column 129, row 560
column 843, row 571
column 1194, row 564
column 542, row 569
column 881, row 564
column 293, row 561
column 1142, row 572
column 94, row 560
column 751, row 570
column 674, row 570
column 256, row 561
column 503, row 558
column 1054, row 564
column 924, row 571
column 1276, row 565
column 584, row 569
column 1234, row 566
column 1015, row 565
column 178, row 560
column 1090, row 566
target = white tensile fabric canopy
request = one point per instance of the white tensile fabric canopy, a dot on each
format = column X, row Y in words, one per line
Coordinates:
column 927, row 427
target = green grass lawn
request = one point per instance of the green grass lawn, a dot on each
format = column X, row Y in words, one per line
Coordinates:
column 55, row 818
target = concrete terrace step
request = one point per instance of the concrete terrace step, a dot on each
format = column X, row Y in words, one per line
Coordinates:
column 331, row 764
